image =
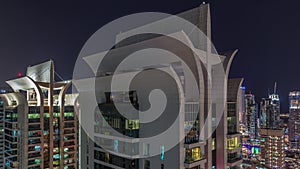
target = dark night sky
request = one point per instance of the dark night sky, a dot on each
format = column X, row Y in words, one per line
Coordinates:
column 266, row 32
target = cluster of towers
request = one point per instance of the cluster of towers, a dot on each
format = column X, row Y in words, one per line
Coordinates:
column 263, row 131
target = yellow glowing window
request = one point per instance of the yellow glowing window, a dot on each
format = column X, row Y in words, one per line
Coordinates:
column 192, row 155
column 132, row 124
column 213, row 145
column 196, row 153
column 233, row 143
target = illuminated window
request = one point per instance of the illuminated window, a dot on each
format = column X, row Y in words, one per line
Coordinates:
column 213, row 145
column 33, row 116
column 132, row 124
column 233, row 143
column 193, row 155
column 69, row 114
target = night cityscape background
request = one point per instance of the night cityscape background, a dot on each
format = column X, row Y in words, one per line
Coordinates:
column 266, row 34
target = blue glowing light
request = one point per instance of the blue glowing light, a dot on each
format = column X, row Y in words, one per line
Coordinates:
column 162, row 151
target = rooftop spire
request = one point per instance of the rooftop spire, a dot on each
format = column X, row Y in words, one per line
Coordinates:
column 275, row 87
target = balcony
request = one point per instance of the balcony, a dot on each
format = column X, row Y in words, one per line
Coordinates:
column 190, row 139
column 231, row 162
column 232, row 147
column 34, row 134
column 69, row 118
column 34, row 142
column 193, row 145
column 67, row 132
column 34, row 120
column 234, row 143
column 68, row 144
column 69, row 125
column 233, row 134
column 69, row 138
column 192, row 136
column 70, row 161
column 194, row 157
column 34, row 129
column 34, row 155
column 34, row 162
column 190, row 163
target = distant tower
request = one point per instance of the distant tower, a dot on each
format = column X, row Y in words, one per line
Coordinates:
column 276, row 106
column 242, row 107
column 271, row 132
column 251, row 116
column 294, row 120
column 267, row 114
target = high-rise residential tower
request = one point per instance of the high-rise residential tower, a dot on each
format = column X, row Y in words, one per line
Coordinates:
column 268, row 114
column 271, row 132
column 251, row 116
column 272, row 147
column 1, row 134
column 202, row 122
column 294, row 120
column 276, row 106
column 40, row 121
column 242, row 108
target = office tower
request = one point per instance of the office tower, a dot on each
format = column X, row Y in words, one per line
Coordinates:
column 276, row 107
column 294, row 120
column 271, row 133
column 251, row 116
column 102, row 148
column 1, row 134
column 268, row 118
column 242, row 108
column 40, row 121
column 234, row 146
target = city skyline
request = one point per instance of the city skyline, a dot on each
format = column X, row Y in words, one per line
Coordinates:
column 265, row 34
column 197, row 88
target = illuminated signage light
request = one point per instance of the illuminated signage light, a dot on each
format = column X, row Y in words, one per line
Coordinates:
column 162, row 153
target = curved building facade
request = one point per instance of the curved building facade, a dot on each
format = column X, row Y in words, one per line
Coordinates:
column 201, row 124
column 40, row 124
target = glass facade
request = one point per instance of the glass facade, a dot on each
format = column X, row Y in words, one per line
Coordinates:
column 108, row 117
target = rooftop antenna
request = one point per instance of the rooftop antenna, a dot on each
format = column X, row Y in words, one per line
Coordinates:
column 275, row 87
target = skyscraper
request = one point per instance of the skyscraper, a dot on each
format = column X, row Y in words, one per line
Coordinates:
column 242, row 107
column 272, row 147
column 268, row 114
column 251, row 116
column 294, row 120
column 1, row 133
column 271, row 133
column 40, row 121
column 102, row 148
column 276, row 107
